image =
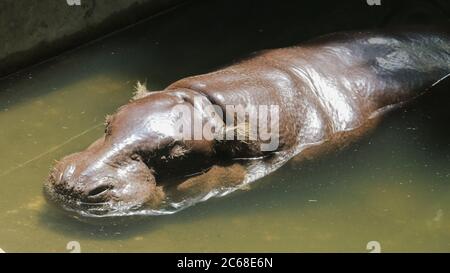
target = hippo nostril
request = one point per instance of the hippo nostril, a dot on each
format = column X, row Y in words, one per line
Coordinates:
column 99, row 190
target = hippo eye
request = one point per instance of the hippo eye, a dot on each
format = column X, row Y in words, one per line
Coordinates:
column 136, row 157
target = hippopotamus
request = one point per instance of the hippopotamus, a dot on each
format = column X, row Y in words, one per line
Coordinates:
column 317, row 96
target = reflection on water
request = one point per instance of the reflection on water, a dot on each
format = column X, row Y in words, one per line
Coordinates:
column 391, row 187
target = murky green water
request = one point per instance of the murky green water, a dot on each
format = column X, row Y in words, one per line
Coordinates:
column 392, row 187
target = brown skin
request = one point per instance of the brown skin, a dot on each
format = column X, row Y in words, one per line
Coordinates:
column 330, row 91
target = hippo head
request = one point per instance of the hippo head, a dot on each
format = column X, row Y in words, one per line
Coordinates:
column 125, row 170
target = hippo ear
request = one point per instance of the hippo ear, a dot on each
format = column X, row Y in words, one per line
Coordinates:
column 140, row 91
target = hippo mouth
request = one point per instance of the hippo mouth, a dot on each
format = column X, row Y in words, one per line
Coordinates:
column 76, row 206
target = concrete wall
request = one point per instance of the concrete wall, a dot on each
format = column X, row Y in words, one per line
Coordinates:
column 32, row 31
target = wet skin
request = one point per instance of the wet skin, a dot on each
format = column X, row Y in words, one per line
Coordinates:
column 330, row 90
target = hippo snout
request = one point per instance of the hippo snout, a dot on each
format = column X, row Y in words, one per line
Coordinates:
column 89, row 185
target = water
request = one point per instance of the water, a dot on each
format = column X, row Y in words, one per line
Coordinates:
column 392, row 187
